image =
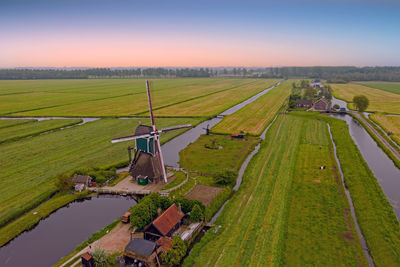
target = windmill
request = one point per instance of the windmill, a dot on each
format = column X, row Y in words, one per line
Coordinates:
column 148, row 159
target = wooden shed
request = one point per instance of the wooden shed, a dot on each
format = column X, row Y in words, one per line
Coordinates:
column 141, row 250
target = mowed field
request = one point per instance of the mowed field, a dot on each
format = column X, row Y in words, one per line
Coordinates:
column 255, row 117
column 391, row 87
column 380, row 100
column 390, row 123
column 125, row 97
column 287, row 211
column 29, row 166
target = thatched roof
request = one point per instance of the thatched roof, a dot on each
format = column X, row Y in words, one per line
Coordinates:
column 143, row 129
column 147, row 165
column 81, row 179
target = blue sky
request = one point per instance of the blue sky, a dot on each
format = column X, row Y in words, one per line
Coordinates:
column 198, row 33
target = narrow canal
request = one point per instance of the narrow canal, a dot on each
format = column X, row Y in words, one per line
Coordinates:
column 58, row 234
column 387, row 174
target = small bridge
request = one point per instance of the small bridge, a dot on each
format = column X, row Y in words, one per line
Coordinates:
column 119, row 191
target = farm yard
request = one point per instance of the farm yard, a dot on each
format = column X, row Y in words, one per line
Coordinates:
column 380, row 100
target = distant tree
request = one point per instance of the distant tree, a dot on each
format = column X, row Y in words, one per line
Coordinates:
column 304, row 84
column 196, row 215
column 361, row 102
column 294, row 85
column 292, row 103
column 64, row 182
column 310, row 92
column 225, row 72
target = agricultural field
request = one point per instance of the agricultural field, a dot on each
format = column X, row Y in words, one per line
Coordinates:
column 380, row 100
column 223, row 153
column 21, row 130
column 125, row 97
column 30, row 165
column 287, row 211
column 255, row 117
column 390, row 123
column 391, row 87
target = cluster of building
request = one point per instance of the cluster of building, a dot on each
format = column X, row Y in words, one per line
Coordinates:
column 321, row 104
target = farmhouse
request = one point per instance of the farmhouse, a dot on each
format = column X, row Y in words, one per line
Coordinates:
column 321, row 105
column 316, row 84
column 165, row 224
column 304, row 103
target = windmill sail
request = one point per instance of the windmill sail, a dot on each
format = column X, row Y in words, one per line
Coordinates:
column 128, row 138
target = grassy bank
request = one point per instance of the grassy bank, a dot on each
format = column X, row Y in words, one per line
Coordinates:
column 375, row 215
column 262, row 225
column 391, row 124
column 29, row 220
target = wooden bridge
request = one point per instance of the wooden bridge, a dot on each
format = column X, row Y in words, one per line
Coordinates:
column 119, row 191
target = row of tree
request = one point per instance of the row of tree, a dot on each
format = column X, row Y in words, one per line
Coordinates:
column 331, row 74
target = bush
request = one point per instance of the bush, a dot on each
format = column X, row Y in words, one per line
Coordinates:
column 100, row 257
column 188, row 204
column 226, row 177
column 197, row 214
column 174, row 256
column 99, row 175
column 64, row 182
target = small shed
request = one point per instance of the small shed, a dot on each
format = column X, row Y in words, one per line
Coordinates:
column 87, row 260
column 165, row 224
column 141, row 250
column 239, row 135
column 83, row 180
column 164, row 244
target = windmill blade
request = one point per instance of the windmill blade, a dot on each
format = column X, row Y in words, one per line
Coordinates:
column 175, row 128
column 128, row 138
column 161, row 159
column 150, row 106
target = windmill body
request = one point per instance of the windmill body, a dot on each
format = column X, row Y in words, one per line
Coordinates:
column 148, row 162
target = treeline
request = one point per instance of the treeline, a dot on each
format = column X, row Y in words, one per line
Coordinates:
column 330, row 74
column 28, row 74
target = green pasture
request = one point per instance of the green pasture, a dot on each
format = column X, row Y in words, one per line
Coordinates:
column 287, row 211
column 227, row 153
column 8, row 123
column 22, row 130
column 391, row 87
column 123, row 97
column 31, row 165
column 255, row 117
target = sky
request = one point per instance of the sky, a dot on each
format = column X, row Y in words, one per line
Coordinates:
column 201, row 33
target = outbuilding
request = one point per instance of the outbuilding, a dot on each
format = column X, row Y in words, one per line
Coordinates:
column 141, row 251
column 165, row 224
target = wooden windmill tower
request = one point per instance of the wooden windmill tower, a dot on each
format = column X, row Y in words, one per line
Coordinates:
column 148, row 160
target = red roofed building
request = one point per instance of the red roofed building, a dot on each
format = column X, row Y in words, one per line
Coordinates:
column 165, row 224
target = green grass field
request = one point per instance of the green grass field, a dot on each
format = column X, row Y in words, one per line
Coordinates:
column 123, row 97
column 30, row 166
column 391, row 87
column 196, row 157
column 379, row 100
column 255, row 117
column 287, row 211
column 9, row 123
column 22, row 130
column 391, row 124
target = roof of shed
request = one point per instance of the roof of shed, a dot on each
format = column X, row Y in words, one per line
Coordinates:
column 168, row 219
column 141, row 247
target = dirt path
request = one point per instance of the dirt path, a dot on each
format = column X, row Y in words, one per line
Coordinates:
column 114, row 241
column 380, row 137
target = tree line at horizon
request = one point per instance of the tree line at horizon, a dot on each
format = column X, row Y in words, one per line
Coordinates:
column 330, row 74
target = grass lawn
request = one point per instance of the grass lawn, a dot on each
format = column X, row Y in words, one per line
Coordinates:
column 123, row 97
column 196, row 157
column 265, row 222
column 391, row 87
column 255, row 117
column 391, row 124
column 9, row 123
column 30, row 166
column 22, row 130
column 379, row 100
